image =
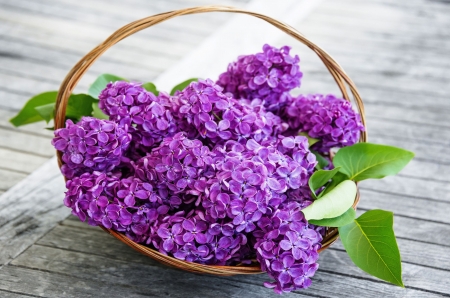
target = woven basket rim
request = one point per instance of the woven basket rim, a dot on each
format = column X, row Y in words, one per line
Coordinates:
column 74, row 75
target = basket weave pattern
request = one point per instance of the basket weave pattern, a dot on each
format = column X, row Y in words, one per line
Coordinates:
column 344, row 83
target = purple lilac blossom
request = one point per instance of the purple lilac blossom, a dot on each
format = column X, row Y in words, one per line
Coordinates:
column 326, row 117
column 147, row 117
column 91, row 145
column 287, row 247
column 212, row 174
column 268, row 76
column 219, row 117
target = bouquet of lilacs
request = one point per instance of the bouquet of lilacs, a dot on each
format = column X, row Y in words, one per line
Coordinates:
column 227, row 172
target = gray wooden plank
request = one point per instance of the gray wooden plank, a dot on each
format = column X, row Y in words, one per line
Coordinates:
column 30, row 209
column 369, row 10
column 9, row 294
column 21, row 83
column 364, row 16
column 92, row 240
column 390, row 38
column 33, row 129
column 97, row 13
column 414, row 276
column 44, row 284
column 156, row 59
column 421, row 230
column 97, row 242
column 431, row 255
column 88, row 266
column 111, row 11
column 427, row 170
column 69, row 58
column 118, row 279
column 377, row 36
column 403, row 186
column 20, row 141
column 20, row 162
column 400, row 204
column 9, row 178
column 407, row 130
column 21, row 66
column 429, row 151
column 382, row 80
column 66, row 28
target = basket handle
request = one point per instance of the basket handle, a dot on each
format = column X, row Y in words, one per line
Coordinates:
column 75, row 74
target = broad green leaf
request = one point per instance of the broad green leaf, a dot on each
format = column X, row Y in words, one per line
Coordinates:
column 101, row 82
column 322, row 162
column 334, row 203
column 97, row 113
column 364, row 160
column 28, row 114
column 320, row 178
column 79, row 105
column 182, row 85
column 46, row 111
column 340, row 221
column 311, row 141
column 337, row 178
column 370, row 243
column 150, row 87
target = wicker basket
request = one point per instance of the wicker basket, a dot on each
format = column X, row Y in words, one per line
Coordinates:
column 75, row 74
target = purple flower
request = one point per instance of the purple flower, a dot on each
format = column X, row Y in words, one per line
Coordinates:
column 326, row 117
column 212, row 174
column 91, row 145
column 267, row 76
column 120, row 99
column 287, row 269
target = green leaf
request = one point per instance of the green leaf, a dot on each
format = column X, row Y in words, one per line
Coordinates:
column 311, row 141
column 364, row 160
column 182, row 85
column 370, row 243
column 338, row 178
column 96, row 112
column 79, row 105
column 320, row 178
column 340, row 221
column 29, row 114
column 322, row 162
column 101, row 82
column 46, row 111
column 334, row 203
column 151, row 87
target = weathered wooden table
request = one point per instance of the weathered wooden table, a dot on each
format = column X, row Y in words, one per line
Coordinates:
column 396, row 52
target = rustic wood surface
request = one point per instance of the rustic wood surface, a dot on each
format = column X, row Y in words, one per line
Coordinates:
column 395, row 51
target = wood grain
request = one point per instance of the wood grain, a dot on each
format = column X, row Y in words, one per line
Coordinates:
column 30, row 209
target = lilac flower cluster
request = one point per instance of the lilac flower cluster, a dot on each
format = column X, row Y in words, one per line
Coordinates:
column 218, row 117
column 91, row 145
column 287, row 248
column 327, row 118
column 215, row 174
column 147, row 117
column 268, row 76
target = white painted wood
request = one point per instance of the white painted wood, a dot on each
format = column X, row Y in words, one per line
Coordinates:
column 29, row 209
column 244, row 34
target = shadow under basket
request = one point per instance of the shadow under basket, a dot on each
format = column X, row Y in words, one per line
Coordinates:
column 344, row 83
